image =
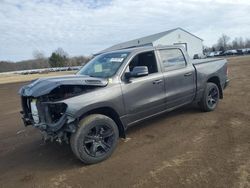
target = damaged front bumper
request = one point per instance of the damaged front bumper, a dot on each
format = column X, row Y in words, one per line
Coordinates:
column 54, row 124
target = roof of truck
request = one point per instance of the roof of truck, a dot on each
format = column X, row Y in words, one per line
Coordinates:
column 144, row 48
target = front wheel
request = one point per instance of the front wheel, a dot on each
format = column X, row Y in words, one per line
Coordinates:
column 210, row 98
column 95, row 140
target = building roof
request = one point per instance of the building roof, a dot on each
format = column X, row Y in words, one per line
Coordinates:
column 147, row 40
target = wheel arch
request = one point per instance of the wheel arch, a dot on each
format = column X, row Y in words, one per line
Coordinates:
column 216, row 80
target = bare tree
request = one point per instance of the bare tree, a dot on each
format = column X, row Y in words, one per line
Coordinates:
column 59, row 58
column 40, row 58
column 247, row 43
column 38, row 54
column 238, row 43
column 241, row 42
column 223, row 42
column 61, row 52
column 235, row 43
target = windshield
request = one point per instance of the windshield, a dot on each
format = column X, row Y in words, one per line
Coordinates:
column 104, row 65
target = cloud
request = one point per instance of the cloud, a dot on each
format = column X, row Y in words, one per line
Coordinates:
column 82, row 27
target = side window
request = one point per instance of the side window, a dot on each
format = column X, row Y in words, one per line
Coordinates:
column 144, row 59
column 172, row 59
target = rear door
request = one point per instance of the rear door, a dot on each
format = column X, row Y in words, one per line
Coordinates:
column 143, row 96
column 179, row 77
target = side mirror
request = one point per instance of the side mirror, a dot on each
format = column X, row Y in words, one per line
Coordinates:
column 137, row 71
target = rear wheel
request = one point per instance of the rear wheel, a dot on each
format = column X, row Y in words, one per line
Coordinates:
column 95, row 139
column 210, row 97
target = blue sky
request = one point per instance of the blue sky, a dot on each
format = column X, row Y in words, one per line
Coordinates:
column 83, row 27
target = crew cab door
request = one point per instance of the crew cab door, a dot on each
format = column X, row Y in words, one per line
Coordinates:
column 179, row 77
column 143, row 96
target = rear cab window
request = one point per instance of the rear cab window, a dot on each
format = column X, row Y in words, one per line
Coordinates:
column 172, row 59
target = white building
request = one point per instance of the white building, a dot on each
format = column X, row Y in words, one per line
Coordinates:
column 178, row 36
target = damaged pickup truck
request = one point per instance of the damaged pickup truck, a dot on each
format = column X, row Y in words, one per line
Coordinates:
column 116, row 90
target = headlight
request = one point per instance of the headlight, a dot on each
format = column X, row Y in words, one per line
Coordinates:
column 34, row 111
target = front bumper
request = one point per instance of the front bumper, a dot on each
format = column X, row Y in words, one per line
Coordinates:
column 45, row 121
column 26, row 121
column 64, row 122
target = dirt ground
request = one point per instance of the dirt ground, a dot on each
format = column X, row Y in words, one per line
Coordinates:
column 184, row 148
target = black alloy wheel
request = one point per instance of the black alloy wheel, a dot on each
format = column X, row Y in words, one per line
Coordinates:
column 213, row 97
column 210, row 98
column 99, row 140
column 95, row 139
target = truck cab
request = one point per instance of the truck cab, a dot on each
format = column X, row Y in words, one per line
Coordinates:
column 168, row 83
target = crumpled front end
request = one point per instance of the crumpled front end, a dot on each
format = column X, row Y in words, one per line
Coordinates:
column 50, row 117
column 47, row 111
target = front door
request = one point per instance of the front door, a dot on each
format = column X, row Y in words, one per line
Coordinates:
column 143, row 96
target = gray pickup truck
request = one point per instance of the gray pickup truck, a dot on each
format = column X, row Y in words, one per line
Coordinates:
column 116, row 90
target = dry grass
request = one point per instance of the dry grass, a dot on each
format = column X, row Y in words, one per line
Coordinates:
column 239, row 59
column 12, row 78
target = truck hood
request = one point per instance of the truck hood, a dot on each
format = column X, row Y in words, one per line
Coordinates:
column 43, row 86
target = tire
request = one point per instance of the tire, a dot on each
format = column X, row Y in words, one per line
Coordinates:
column 95, row 139
column 210, row 98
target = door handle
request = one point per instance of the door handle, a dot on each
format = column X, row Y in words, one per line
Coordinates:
column 157, row 81
column 188, row 74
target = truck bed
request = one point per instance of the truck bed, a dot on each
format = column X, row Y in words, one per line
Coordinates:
column 200, row 61
column 209, row 68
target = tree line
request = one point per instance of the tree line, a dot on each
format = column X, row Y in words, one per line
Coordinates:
column 225, row 43
column 58, row 58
